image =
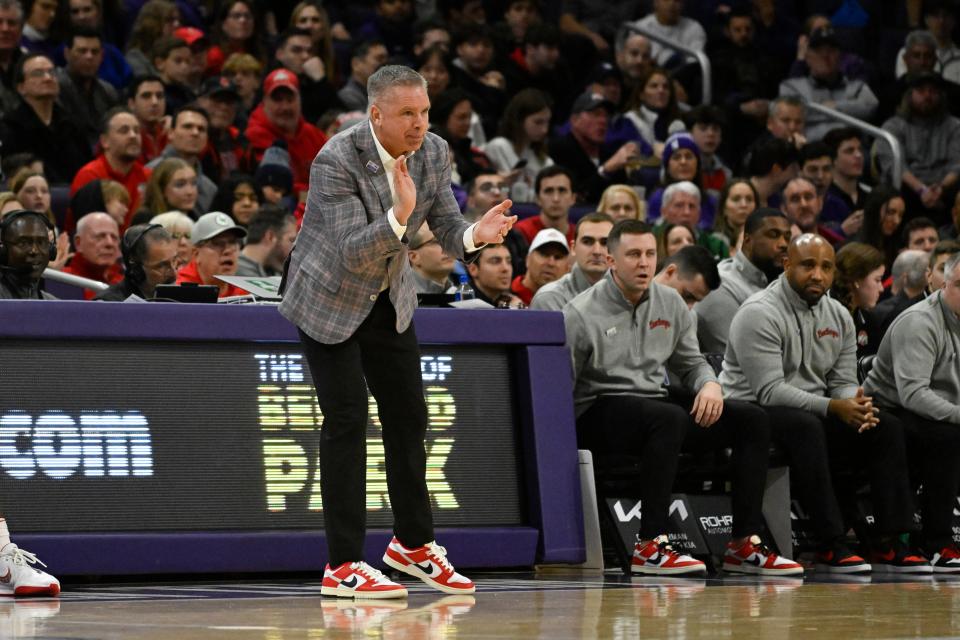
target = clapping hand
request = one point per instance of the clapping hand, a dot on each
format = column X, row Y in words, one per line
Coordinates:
column 494, row 225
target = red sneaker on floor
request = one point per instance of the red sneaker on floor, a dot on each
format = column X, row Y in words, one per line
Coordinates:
column 430, row 564
column 657, row 557
column 359, row 580
column 752, row 556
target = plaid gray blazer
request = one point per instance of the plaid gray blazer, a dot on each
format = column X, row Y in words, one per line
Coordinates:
column 346, row 245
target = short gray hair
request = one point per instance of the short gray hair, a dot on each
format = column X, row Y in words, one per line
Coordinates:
column 684, row 186
column 910, row 269
column 920, row 37
column 389, row 76
column 792, row 101
column 950, row 266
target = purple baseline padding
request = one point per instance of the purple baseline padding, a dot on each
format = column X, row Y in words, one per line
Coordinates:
column 548, row 429
column 258, row 323
column 189, row 552
column 547, row 426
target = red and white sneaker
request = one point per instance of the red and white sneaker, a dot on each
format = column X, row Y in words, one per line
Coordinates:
column 430, row 564
column 359, row 580
column 656, row 557
column 947, row 560
column 752, row 556
column 18, row 576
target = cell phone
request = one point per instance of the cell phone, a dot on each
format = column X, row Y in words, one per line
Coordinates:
column 521, row 163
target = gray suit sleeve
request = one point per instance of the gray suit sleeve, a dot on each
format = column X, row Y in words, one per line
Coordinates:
column 337, row 200
column 756, row 339
column 914, row 345
column 444, row 217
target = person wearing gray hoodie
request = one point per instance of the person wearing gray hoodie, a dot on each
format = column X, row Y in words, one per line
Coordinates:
column 916, row 376
column 766, row 235
column 792, row 350
column 622, row 333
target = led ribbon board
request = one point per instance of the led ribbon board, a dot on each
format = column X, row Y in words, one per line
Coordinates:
column 124, row 436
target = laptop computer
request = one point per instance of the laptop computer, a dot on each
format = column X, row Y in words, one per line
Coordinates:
column 187, row 292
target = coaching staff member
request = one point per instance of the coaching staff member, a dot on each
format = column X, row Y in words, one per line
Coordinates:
column 350, row 291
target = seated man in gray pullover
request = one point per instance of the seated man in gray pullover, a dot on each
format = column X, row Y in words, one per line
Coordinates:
column 590, row 253
column 792, row 350
column 916, row 376
column 622, row 333
column 759, row 262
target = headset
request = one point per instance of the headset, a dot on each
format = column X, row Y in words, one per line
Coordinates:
column 9, row 219
column 128, row 249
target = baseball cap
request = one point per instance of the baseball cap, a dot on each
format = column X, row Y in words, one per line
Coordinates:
column 213, row 224
column 281, row 78
column 219, row 85
column 824, row 36
column 588, row 101
column 549, row 236
column 190, row 35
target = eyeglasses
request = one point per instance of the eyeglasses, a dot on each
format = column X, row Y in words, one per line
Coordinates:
column 487, row 187
column 424, row 244
column 39, row 73
column 167, row 265
column 221, row 245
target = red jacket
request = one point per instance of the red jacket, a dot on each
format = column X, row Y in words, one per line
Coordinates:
column 518, row 289
column 303, row 145
column 530, row 227
column 100, row 169
column 80, row 266
column 189, row 273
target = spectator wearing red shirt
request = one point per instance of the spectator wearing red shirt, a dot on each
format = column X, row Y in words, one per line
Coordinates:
column 148, row 103
column 547, row 261
column 280, row 116
column 216, row 251
column 97, row 242
column 120, row 145
column 555, row 196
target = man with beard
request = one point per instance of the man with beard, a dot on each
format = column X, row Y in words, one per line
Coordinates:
column 930, row 139
column 216, row 250
column 270, row 236
column 590, row 252
column 120, row 144
column 622, row 405
column 792, row 350
column 149, row 259
column 759, row 262
column 802, row 205
column 25, row 251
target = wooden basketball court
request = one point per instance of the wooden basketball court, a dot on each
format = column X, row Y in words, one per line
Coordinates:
column 507, row 605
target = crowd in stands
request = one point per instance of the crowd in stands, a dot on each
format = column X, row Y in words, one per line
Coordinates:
column 179, row 137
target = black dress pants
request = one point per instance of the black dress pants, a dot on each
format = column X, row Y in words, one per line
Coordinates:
column 656, row 429
column 818, row 446
column 375, row 355
column 933, row 449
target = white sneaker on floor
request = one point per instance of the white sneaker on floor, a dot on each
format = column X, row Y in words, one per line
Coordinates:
column 19, row 576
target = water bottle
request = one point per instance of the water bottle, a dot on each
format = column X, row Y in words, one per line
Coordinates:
column 464, row 291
